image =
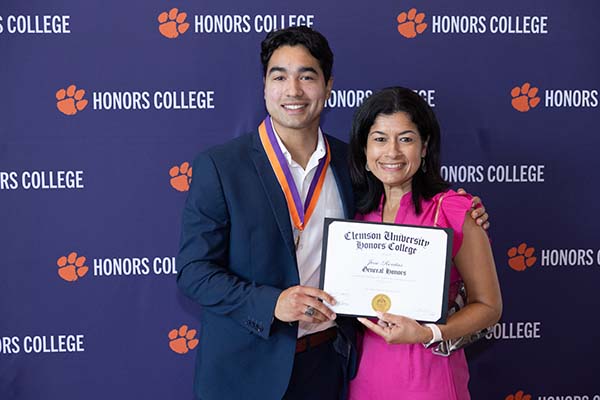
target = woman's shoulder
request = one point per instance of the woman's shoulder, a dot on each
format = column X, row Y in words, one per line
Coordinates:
column 452, row 211
column 451, row 208
column 450, row 200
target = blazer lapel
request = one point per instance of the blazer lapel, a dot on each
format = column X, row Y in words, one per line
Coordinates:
column 274, row 193
column 339, row 166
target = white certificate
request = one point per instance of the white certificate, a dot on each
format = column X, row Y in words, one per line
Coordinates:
column 401, row 269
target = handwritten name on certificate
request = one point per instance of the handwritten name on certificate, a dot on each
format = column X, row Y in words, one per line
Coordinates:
column 375, row 267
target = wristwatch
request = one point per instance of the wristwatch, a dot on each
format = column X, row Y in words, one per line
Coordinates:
column 436, row 335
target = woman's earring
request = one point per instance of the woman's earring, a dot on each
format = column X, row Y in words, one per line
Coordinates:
column 367, row 167
column 423, row 165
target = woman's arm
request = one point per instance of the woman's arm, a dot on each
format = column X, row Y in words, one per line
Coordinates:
column 475, row 263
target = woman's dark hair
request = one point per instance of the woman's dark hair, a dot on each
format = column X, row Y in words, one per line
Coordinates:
column 314, row 42
column 389, row 101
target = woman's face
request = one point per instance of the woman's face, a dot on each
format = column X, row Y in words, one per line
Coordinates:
column 394, row 150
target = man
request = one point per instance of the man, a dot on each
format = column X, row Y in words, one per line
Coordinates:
column 252, row 236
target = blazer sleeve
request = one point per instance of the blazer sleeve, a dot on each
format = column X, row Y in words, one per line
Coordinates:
column 203, row 273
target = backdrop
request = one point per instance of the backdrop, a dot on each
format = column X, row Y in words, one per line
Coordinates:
column 104, row 103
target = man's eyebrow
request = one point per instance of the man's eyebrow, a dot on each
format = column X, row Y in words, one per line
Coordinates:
column 300, row 70
column 307, row 69
column 276, row 69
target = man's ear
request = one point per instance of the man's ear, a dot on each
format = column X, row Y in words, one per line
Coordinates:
column 328, row 88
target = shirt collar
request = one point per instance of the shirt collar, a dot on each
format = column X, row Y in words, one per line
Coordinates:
column 314, row 158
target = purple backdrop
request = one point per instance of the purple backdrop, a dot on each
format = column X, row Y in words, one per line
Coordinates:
column 101, row 173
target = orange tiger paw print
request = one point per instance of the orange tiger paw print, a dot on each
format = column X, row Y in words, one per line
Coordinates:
column 181, row 177
column 411, row 23
column 524, row 97
column 520, row 395
column 171, row 23
column 521, row 258
column 71, row 267
column 182, row 340
column 70, row 100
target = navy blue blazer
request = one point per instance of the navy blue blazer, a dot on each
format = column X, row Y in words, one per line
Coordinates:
column 236, row 256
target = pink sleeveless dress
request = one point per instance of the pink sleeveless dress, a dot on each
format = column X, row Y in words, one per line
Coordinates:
column 410, row 371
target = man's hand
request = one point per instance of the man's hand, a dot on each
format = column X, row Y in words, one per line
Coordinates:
column 395, row 329
column 478, row 213
column 294, row 301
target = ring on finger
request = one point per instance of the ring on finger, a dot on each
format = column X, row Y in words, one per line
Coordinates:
column 310, row 311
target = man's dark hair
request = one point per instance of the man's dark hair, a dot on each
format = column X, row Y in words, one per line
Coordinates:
column 389, row 101
column 314, row 42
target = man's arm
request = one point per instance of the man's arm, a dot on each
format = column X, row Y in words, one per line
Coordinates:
column 203, row 256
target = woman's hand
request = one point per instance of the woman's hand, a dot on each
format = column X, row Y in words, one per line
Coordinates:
column 395, row 329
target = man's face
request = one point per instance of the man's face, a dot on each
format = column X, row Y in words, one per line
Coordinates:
column 295, row 89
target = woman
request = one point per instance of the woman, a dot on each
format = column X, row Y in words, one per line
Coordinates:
column 394, row 161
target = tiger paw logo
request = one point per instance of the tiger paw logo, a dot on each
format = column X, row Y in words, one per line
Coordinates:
column 71, row 267
column 182, row 340
column 411, row 24
column 181, row 177
column 520, row 258
column 524, row 97
column 70, row 100
column 520, row 395
column 172, row 24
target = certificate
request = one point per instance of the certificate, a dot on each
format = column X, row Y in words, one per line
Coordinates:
column 401, row 269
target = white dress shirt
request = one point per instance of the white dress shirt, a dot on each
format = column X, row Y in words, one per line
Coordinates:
column 308, row 253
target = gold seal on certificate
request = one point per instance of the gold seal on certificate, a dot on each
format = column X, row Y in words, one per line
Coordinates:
column 381, row 303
